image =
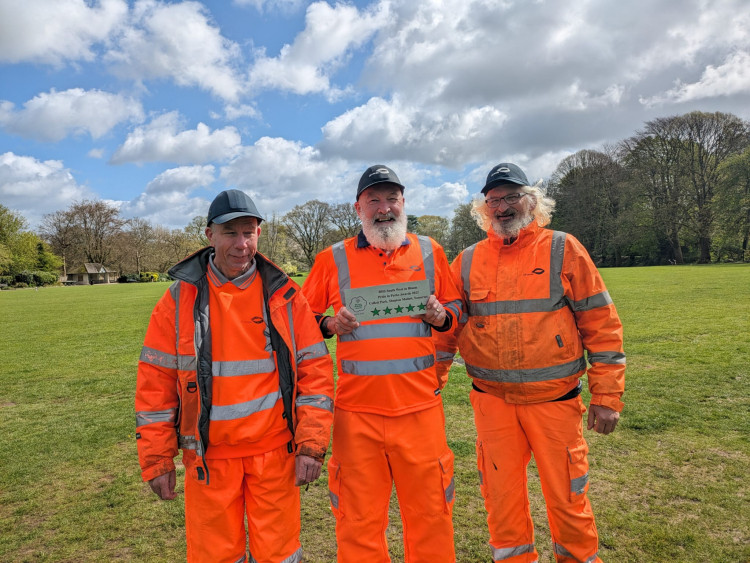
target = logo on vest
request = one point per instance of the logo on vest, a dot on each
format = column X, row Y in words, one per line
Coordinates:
column 535, row 272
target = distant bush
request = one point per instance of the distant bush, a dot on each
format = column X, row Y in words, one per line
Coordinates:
column 149, row 276
column 31, row 278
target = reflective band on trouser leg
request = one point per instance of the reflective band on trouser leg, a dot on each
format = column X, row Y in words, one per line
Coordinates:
column 502, row 457
column 555, row 433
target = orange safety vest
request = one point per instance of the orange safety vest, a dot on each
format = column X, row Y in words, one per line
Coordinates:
column 385, row 366
column 533, row 306
column 175, row 372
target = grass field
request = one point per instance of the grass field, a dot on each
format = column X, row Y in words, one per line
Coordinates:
column 671, row 484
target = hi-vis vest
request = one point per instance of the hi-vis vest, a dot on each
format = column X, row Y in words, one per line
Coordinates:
column 384, row 366
column 175, row 371
column 533, row 306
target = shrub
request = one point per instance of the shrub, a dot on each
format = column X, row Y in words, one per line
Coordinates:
column 149, row 276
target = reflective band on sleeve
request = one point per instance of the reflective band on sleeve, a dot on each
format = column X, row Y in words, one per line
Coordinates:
column 443, row 356
column 387, row 330
column 290, row 320
column 243, row 367
column 241, row 410
column 454, row 306
column 526, row 375
column 387, row 367
column 151, row 417
column 334, row 499
column 560, row 550
column 188, row 443
column 450, row 492
column 599, row 300
column 606, row 358
column 578, row 485
column 186, row 363
column 501, row 553
column 342, row 265
column 466, row 258
column 428, row 259
column 320, row 401
column 158, row 358
column 318, row 350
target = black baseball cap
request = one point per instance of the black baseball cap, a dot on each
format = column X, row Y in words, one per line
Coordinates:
column 231, row 204
column 378, row 174
column 505, row 173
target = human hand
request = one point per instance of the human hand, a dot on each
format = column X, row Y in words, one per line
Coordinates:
column 602, row 419
column 342, row 323
column 306, row 469
column 163, row 485
column 435, row 313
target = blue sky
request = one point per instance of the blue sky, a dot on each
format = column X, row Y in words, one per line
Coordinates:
column 157, row 106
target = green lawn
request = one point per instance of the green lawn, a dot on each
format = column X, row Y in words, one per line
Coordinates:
column 671, row 484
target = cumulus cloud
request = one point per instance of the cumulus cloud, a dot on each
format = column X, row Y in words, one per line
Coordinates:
column 167, row 199
column 55, row 31
column 179, row 42
column 160, row 140
column 390, row 130
column 55, row 115
column 284, row 6
column 305, row 66
column 33, row 187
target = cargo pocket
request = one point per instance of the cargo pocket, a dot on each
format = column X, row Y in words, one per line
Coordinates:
column 334, row 486
column 449, row 483
column 482, row 471
column 578, row 470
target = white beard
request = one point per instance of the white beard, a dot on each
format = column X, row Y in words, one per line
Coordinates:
column 511, row 227
column 386, row 235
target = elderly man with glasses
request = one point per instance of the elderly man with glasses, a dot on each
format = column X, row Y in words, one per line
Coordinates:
column 537, row 311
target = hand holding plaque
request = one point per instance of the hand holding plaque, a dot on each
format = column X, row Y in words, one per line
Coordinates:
column 388, row 301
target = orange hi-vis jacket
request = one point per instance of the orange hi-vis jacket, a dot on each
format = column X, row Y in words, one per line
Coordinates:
column 176, row 370
column 385, row 367
column 533, row 306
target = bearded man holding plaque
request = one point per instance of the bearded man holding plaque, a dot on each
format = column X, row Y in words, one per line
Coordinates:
column 389, row 425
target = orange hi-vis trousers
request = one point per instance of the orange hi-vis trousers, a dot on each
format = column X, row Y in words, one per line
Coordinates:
column 507, row 435
column 261, row 486
column 370, row 453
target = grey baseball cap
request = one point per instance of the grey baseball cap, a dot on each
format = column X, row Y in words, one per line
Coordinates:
column 231, row 204
column 505, row 173
column 378, row 174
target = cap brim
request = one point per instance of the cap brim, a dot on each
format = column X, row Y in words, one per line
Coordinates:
column 504, row 181
column 229, row 216
column 359, row 192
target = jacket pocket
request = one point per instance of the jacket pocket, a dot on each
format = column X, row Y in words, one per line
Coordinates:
column 334, row 487
column 449, row 484
column 578, row 470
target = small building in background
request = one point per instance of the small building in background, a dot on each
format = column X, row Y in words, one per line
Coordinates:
column 90, row 273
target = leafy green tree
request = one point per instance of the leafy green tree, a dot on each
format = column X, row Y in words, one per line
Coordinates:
column 464, row 231
column 433, row 226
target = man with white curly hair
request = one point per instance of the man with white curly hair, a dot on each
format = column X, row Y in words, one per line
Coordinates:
column 535, row 303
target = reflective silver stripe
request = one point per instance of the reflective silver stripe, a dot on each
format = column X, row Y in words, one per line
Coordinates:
column 242, row 367
column 428, row 259
column 158, row 358
column 555, row 301
column 174, row 289
column 387, row 367
column 243, row 559
column 606, row 358
column 481, row 478
column 186, row 363
column 342, row 265
column 500, row 553
column 334, row 500
column 151, row 417
column 450, row 492
column 443, row 356
column 290, row 320
column 387, row 330
column 526, row 375
column 578, row 484
column 560, row 550
column 318, row 350
column 454, row 306
column 320, row 401
column 241, row 410
column 188, row 443
column 295, row 557
column 466, row 259
column 599, row 300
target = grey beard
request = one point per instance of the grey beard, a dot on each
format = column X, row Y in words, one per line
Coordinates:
column 511, row 229
column 386, row 236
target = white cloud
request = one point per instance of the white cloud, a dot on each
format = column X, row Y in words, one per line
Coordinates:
column 306, row 66
column 284, row 6
column 441, row 200
column 732, row 77
column 55, row 115
column 55, row 31
column 33, row 187
column 424, row 132
column 161, row 141
column 243, row 110
column 180, row 42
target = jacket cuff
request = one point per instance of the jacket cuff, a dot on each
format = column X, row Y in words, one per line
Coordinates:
column 447, row 323
column 311, row 451
column 611, row 401
column 153, row 471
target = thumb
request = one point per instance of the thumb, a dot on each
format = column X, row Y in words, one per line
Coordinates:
column 591, row 420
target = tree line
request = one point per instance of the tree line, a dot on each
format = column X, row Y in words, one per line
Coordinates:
column 677, row 191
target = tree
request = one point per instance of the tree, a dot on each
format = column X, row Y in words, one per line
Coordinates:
column 344, row 217
column 99, row 223
column 60, row 230
column 733, row 208
column 307, row 225
column 433, row 226
column 464, row 231
column 21, row 251
column 196, row 231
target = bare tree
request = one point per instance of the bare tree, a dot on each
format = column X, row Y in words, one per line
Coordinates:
column 141, row 237
column 99, row 223
column 60, row 230
column 196, row 231
column 344, row 217
column 307, row 225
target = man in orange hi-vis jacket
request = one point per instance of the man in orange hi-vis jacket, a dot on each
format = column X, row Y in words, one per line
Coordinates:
column 535, row 302
column 234, row 371
column 389, row 425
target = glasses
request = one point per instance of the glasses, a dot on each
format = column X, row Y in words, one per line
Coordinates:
column 508, row 199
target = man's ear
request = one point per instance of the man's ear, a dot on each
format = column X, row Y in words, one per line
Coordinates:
column 209, row 234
